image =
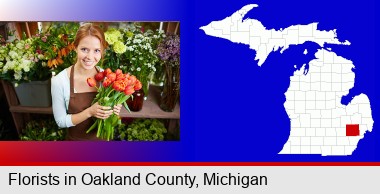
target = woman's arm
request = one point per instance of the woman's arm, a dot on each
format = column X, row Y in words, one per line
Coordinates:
column 64, row 120
column 61, row 117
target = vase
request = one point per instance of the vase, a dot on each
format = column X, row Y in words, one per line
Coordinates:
column 136, row 101
column 11, row 38
column 144, row 78
column 170, row 93
column 34, row 93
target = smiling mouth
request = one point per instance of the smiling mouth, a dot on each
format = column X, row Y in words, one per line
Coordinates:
column 88, row 62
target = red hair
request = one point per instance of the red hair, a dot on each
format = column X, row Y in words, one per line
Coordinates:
column 89, row 29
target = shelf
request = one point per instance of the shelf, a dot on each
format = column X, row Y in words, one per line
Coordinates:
column 151, row 108
column 27, row 109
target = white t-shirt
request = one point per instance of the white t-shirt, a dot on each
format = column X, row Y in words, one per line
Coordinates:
column 60, row 93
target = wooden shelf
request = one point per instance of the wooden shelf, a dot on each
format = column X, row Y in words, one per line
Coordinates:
column 29, row 109
column 150, row 108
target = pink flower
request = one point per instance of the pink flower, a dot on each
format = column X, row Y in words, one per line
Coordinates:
column 44, row 38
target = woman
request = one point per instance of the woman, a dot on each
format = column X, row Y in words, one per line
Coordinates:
column 71, row 95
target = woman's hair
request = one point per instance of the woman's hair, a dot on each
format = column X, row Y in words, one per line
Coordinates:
column 89, row 29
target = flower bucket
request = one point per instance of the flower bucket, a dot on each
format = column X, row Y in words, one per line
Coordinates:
column 170, row 94
column 136, row 103
column 35, row 93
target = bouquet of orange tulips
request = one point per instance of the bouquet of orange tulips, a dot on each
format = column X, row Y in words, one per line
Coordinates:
column 115, row 88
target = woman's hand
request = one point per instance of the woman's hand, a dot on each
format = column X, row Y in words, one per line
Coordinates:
column 116, row 109
column 101, row 112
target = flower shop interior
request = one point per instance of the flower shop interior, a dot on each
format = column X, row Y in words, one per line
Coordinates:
column 31, row 53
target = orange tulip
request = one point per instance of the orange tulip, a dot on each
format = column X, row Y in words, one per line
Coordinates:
column 132, row 79
column 107, row 71
column 138, row 85
column 111, row 76
column 129, row 90
column 119, row 85
column 91, row 82
column 120, row 77
column 107, row 82
column 118, row 72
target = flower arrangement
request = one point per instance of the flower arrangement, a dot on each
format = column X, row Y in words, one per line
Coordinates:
column 35, row 58
column 55, row 46
column 133, row 51
column 18, row 62
column 42, row 130
column 169, row 52
column 115, row 88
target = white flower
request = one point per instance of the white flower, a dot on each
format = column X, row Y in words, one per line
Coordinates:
column 13, row 54
column 19, row 45
column 138, row 69
column 26, row 65
column 9, row 65
column 18, row 75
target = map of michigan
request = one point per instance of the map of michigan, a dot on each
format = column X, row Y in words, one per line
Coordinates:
column 320, row 123
column 264, row 41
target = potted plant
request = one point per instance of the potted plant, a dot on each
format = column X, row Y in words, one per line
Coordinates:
column 169, row 52
column 29, row 63
column 11, row 35
column 42, row 130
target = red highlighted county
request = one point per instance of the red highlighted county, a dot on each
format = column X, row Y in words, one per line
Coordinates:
column 352, row 130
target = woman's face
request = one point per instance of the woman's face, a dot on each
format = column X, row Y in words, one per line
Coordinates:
column 89, row 52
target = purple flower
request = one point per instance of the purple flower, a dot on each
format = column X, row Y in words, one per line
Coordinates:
column 169, row 49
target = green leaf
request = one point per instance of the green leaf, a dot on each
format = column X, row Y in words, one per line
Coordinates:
column 126, row 107
column 92, row 126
